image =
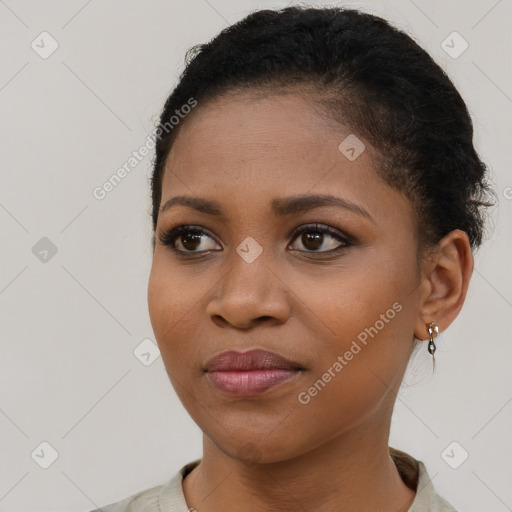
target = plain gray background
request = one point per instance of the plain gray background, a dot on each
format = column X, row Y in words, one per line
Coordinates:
column 71, row 324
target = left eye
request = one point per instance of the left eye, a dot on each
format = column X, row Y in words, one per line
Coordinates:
column 314, row 237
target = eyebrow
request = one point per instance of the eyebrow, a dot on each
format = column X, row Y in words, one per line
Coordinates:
column 280, row 206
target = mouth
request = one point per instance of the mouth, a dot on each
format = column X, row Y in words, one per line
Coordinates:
column 250, row 373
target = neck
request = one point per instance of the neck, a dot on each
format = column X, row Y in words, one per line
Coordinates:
column 353, row 472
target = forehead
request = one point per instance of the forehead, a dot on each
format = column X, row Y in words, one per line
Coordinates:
column 264, row 146
column 255, row 135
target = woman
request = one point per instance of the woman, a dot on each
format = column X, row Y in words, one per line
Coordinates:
column 316, row 201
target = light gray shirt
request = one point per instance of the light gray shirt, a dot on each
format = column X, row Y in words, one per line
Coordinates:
column 169, row 497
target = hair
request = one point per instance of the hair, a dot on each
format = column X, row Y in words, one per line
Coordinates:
column 365, row 74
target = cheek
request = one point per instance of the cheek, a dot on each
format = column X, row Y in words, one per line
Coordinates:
column 171, row 303
column 177, row 299
column 174, row 293
column 169, row 310
column 366, row 331
column 370, row 296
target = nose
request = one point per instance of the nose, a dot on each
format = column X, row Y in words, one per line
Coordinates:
column 250, row 293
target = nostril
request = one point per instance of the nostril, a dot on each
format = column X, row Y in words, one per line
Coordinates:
column 218, row 320
column 265, row 317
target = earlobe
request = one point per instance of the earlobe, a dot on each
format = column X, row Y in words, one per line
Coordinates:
column 445, row 283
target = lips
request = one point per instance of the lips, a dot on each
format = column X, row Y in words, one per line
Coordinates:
column 251, row 360
column 245, row 374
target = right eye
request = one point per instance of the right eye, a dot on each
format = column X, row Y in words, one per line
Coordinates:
column 187, row 239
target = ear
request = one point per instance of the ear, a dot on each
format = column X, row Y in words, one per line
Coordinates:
column 444, row 283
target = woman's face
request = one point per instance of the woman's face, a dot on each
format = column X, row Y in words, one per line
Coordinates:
column 342, row 306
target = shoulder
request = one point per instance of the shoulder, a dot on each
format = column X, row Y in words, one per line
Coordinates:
column 146, row 500
column 439, row 504
column 415, row 475
column 166, row 497
column 428, row 499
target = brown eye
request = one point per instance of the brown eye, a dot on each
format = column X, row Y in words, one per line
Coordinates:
column 316, row 236
column 183, row 239
column 312, row 241
column 190, row 241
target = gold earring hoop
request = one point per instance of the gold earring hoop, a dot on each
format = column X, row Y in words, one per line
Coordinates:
column 433, row 331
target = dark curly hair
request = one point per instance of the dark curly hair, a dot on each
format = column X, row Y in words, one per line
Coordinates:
column 365, row 74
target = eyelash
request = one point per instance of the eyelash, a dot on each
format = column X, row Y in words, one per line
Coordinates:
column 168, row 237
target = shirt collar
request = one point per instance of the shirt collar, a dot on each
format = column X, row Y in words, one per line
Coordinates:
column 412, row 472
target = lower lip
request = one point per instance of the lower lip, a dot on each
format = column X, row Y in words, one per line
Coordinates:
column 249, row 383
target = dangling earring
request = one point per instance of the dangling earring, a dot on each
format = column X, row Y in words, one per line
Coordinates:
column 433, row 331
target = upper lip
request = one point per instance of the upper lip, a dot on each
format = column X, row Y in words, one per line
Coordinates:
column 257, row 359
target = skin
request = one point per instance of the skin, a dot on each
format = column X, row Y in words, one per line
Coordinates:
column 271, row 452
